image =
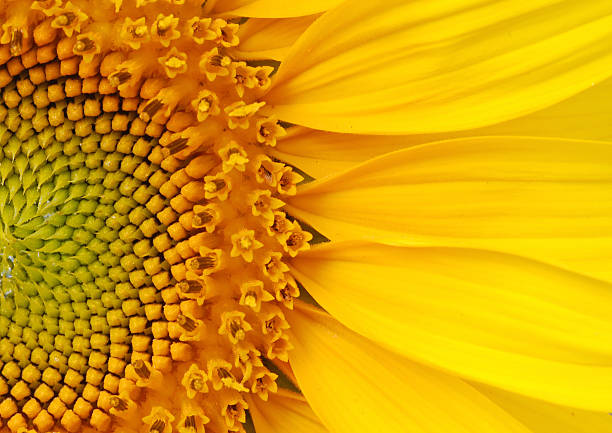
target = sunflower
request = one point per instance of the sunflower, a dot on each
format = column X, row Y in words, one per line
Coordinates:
column 309, row 216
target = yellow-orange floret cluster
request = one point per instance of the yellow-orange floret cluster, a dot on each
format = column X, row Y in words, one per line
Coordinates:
column 186, row 222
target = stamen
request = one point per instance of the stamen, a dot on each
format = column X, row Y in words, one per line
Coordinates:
column 218, row 184
column 190, row 286
column 200, row 263
column 197, row 30
column 235, row 327
column 162, row 27
column 216, row 60
column 158, row 426
column 280, row 223
column 266, row 174
column 141, row 369
column 295, row 239
column 118, row 403
column 178, row 145
column 271, row 325
column 190, row 422
column 194, row 381
column 251, row 298
column 285, row 293
column 65, row 19
column 200, row 219
column 16, row 43
column 84, row 45
column 204, row 105
column 119, row 77
column 138, row 31
column 197, row 384
column 224, row 374
column 150, row 109
column 186, row 322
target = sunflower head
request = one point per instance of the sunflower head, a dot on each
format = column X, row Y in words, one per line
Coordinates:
column 151, row 237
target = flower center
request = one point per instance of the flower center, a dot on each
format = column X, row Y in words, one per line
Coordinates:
column 80, row 268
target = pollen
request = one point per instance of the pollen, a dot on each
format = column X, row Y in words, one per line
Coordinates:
column 143, row 238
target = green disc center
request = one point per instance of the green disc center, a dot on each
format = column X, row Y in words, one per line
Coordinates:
column 77, row 217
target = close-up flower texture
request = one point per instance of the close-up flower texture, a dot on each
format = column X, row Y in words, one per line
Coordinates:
column 306, row 216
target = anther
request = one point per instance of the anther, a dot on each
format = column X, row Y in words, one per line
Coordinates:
column 83, row 45
column 118, row 403
column 204, row 105
column 187, row 323
column 197, row 383
column 16, row 43
column 262, row 75
column 162, row 28
column 200, row 263
column 295, row 239
column 194, row 381
column 224, row 374
column 232, row 408
column 235, row 327
column 119, row 77
column 190, row 422
column 251, row 298
column 266, row 174
column 197, row 30
column 215, row 185
column 138, row 31
column 178, row 145
column 157, row 426
column 65, row 19
column 200, row 219
column 141, row 369
column 270, row 326
column 280, row 223
column 190, row 286
column 152, row 107
column 286, row 292
column 216, row 60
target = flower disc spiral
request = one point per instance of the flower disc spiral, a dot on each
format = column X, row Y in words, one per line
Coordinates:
column 143, row 274
column 79, row 264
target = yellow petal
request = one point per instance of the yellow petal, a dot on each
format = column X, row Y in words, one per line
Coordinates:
column 354, row 385
column 584, row 116
column 547, row 199
column 398, row 67
column 273, row 8
column 284, row 412
column 322, row 153
column 495, row 318
column 263, row 38
column 543, row 417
